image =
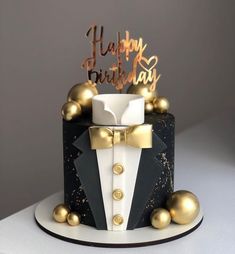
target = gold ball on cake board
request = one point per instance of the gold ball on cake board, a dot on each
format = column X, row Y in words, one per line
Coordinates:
column 160, row 218
column 148, row 107
column 71, row 110
column 60, row 213
column 161, row 104
column 73, row 219
column 82, row 93
column 144, row 90
column 183, row 206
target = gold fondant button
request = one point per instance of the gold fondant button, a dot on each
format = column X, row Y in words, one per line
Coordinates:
column 118, row 194
column 118, row 169
column 117, row 220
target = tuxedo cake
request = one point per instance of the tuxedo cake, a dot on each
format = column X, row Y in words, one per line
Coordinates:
column 118, row 152
column 118, row 162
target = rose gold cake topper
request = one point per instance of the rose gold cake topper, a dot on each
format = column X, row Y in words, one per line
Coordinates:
column 143, row 69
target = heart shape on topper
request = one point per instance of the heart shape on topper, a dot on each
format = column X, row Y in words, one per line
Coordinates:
column 144, row 61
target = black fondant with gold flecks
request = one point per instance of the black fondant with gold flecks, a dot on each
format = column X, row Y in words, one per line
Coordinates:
column 164, row 127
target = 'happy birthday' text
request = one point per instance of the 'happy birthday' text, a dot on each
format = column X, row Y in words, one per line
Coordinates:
column 116, row 75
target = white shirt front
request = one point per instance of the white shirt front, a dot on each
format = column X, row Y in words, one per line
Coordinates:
column 117, row 111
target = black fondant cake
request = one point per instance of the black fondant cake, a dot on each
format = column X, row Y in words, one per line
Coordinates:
column 119, row 155
column 74, row 195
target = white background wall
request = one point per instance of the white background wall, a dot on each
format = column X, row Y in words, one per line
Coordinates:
column 42, row 44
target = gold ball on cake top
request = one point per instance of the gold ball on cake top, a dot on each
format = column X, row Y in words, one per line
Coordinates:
column 148, row 107
column 82, row 93
column 144, row 90
column 73, row 219
column 183, row 206
column 161, row 105
column 60, row 213
column 71, row 110
column 160, row 218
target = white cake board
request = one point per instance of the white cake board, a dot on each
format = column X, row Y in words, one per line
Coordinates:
column 87, row 235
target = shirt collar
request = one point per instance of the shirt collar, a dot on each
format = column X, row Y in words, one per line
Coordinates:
column 118, row 109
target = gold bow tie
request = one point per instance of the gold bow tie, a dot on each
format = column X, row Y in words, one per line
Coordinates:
column 139, row 136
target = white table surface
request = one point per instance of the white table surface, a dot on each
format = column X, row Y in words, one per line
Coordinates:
column 205, row 164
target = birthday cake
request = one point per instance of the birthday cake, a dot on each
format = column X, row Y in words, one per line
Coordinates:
column 119, row 148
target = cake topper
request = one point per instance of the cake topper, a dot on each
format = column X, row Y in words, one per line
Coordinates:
column 143, row 69
column 127, row 51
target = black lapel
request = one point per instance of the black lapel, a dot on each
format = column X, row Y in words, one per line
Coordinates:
column 87, row 169
column 148, row 173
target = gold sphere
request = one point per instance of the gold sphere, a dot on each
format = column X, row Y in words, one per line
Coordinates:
column 82, row 93
column 71, row 110
column 183, row 206
column 73, row 219
column 148, row 107
column 161, row 104
column 144, row 90
column 60, row 213
column 160, row 218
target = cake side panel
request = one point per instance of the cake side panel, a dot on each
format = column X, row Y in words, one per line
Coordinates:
column 164, row 127
column 75, row 198
column 74, row 195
